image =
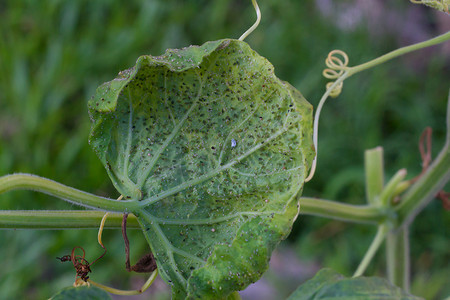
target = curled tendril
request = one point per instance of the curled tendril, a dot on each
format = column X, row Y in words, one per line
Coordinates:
column 337, row 89
column 336, row 67
column 337, row 71
column 442, row 5
column 258, row 19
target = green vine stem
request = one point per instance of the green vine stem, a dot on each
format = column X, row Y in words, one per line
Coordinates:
column 393, row 54
column 426, row 188
column 54, row 219
column 397, row 258
column 61, row 219
column 366, row 214
column 53, row 188
column 376, row 243
column 413, row 202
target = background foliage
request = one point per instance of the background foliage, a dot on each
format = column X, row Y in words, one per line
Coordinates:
column 54, row 53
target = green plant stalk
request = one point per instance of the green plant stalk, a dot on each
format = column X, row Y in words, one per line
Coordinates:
column 376, row 243
column 393, row 54
column 416, row 198
column 61, row 219
column 397, row 258
column 374, row 169
column 53, row 188
column 426, row 188
column 366, row 214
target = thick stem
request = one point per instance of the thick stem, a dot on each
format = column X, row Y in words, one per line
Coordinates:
column 61, row 219
column 53, row 188
column 426, row 188
column 48, row 219
column 374, row 168
column 340, row 211
column 397, row 258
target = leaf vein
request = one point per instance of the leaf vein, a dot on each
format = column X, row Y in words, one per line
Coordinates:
column 205, row 177
column 130, row 135
column 172, row 135
column 153, row 221
column 208, row 221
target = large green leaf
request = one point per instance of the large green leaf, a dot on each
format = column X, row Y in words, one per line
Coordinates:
column 328, row 284
column 215, row 148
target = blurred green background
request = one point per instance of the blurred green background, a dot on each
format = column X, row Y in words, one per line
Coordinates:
column 54, row 53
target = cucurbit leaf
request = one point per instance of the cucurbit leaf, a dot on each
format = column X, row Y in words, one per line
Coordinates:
column 81, row 293
column 327, row 284
column 215, row 148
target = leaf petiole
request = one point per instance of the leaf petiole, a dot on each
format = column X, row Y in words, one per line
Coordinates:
column 69, row 194
column 61, row 219
column 366, row 214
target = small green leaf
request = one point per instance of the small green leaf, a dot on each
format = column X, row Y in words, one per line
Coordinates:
column 215, row 148
column 81, row 293
column 442, row 5
column 328, row 284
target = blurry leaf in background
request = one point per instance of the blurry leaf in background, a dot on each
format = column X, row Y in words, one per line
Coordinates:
column 328, row 284
column 442, row 5
column 81, row 293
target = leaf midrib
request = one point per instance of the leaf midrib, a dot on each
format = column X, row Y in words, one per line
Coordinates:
column 170, row 249
column 172, row 135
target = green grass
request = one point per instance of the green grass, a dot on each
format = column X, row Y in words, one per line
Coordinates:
column 53, row 54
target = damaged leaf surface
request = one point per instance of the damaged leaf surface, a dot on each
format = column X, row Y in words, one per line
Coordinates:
column 216, row 149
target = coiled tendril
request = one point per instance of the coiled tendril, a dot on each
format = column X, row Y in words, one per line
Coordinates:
column 336, row 67
column 337, row 71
